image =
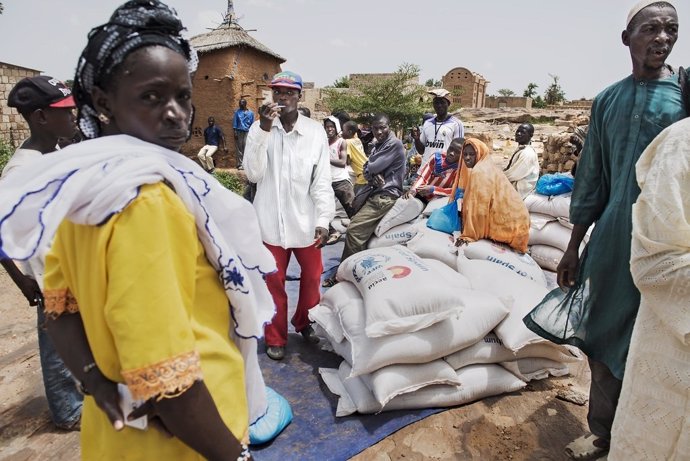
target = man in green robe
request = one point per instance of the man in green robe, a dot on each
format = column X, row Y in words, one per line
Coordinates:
column 599, row 311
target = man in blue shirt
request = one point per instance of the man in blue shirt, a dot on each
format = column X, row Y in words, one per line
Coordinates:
column 213, row 137
column 241, row 122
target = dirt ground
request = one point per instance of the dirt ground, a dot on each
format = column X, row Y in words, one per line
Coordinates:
column 529, row 425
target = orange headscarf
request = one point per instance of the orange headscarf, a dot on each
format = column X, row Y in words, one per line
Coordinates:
column 491, row 207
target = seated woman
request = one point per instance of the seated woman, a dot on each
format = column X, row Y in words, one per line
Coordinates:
column 436, row 178
column 491, row 207
column 163, row 266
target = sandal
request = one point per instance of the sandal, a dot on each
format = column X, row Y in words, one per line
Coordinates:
column 333, row 238
column 587, row 447
column 329, row 282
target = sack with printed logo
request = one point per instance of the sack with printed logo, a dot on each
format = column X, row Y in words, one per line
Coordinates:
column 398, row 235
column 506, row 257
column 402, row 293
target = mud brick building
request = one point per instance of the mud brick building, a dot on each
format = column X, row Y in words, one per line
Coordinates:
column 467, row 88
column 13, row 127
column 232, row 65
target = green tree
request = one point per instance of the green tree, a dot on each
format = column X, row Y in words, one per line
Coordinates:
column 538, row 103
column 431, row 83
column 505, row 92
column 5, row 153
column 342, row 82
column 554, row 93
column 399, row 96
column 530, row 91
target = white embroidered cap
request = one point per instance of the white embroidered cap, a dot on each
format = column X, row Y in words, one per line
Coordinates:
column 641, row 6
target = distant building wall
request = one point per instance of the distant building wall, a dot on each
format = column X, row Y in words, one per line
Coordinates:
column 467, row 88
column 13, row 127
column 498, row 102
column 216, row 94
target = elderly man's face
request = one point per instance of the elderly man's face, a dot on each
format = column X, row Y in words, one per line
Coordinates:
column 654, row 32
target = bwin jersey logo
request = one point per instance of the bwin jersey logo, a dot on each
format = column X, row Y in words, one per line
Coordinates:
column 438, row 144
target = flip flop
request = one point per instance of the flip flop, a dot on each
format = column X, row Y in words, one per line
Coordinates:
column 584, row 448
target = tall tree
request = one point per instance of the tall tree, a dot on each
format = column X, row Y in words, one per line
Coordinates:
column 399, row 96
column 431, row 83
column 531, row 90
column 554, row 93
column 1, row 8
column 506, row 92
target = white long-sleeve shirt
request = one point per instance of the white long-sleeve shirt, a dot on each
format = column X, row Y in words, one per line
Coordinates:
column 33, row 267
column 293, row 181
column 523, row 171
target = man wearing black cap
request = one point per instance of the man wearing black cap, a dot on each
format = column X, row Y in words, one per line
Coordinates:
column 287, row 157
column 47, row 105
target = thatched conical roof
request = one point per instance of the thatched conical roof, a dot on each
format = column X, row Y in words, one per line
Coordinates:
column 227, row 35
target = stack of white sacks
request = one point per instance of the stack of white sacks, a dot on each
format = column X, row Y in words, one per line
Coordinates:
column 550, row 228
column 424, row 326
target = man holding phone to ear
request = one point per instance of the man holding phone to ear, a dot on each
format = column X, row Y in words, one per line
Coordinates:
column 287, row 157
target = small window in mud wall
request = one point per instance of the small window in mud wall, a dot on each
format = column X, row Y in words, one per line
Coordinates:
column 266, row 96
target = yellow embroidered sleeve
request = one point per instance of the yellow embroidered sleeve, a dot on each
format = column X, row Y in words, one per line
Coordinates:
column 151, row 264
column 166, row 379
column 58, row 298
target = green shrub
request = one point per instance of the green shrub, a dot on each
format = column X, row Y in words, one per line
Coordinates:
column 231, row 181
column 5, row 153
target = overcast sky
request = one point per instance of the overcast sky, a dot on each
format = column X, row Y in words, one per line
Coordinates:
column 510, row 43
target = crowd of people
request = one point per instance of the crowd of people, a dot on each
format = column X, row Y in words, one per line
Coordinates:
column 122, row 220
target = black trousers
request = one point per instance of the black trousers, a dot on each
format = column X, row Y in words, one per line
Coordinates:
column 604, row 392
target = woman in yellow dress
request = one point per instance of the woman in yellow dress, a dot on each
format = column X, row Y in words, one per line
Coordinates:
column 144, row 248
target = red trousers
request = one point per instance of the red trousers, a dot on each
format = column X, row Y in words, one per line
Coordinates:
column 311, row 266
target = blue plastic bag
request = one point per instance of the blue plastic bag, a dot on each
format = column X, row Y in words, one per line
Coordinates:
column 446, row 219
column 277, row 417
column 555, row 184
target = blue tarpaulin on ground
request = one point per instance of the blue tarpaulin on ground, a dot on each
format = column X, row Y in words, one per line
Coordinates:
column 315, row 433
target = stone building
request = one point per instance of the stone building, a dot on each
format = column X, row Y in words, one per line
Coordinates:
column 13, row 127
column 467, row 88
column 232, row 65
column 500, row 102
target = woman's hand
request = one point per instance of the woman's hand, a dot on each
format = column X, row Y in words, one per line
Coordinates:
column 462, row 241
column 104, row 392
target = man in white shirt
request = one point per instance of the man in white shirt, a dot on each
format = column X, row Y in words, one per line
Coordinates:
column 47, row 105
column 287, row 157
column 523, row 168
column 438, row 132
